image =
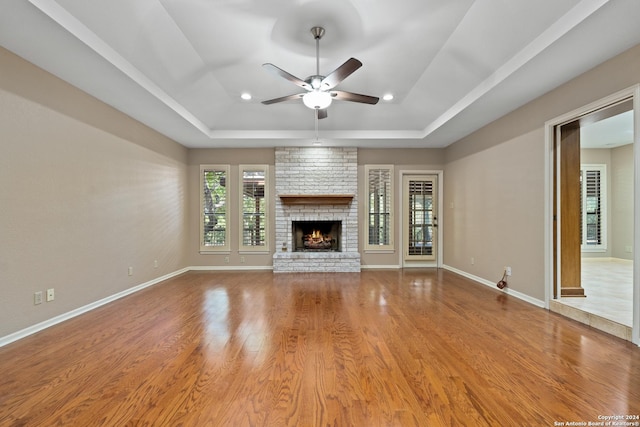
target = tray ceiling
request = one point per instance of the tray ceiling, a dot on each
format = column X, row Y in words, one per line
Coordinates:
column 180, row 66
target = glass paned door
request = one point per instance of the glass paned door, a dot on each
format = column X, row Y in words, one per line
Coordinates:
column 420, row 222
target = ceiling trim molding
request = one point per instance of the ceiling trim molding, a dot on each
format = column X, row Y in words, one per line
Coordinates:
column 555, row 32
column 80, row 31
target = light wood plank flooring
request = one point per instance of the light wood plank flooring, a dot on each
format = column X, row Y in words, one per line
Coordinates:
column 377, row 348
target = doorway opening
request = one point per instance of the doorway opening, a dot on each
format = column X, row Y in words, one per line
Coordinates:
column 593, row 226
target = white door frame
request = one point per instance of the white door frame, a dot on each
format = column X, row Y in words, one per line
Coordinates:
column 439, row 245
column 634, row 93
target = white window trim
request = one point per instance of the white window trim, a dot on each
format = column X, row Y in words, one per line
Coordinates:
column 603, row 209
column 267, row 218
column 390, row 248
column 226, row 247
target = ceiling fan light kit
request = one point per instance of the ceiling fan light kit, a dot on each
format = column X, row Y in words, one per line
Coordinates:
column 317, row 100
column 319, row 94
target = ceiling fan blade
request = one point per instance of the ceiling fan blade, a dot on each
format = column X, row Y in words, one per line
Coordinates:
column 322, row 114
column 354, row 97
column 283, row 99
column 282, row 73
column 340, row 73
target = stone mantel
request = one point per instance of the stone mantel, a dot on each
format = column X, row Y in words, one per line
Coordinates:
column 316, row 199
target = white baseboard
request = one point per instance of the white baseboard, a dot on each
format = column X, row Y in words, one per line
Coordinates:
column 519, row 295
column 380, row 267
column 81, row 310
column 231, row 268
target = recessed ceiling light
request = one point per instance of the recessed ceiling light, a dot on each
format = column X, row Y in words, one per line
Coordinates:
column 387, row 97
column 246, row 96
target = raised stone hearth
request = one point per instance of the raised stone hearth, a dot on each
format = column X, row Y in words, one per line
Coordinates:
column 316, row 262
column 316, row 184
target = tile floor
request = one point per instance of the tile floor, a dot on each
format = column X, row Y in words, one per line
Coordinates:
column 608, row 284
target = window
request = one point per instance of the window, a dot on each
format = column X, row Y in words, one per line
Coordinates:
column 593, row 208
column 254, row 208
column 214, row 193
column 379, row 209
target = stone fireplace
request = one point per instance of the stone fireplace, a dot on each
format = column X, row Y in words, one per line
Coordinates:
column 316, row 184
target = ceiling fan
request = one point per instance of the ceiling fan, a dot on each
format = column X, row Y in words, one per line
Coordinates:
column 319, row 93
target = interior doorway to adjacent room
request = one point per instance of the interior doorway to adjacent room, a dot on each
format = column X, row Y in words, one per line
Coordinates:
column 594, row 199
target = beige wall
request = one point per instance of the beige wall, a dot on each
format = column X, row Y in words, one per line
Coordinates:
column 85, row 193
column 494, row 210
column 495, row 179
column 622, row 190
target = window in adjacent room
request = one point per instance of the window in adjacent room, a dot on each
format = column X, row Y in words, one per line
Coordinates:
column 379, row 208
column 593, row 209
column 254, row 207
column 214, row 196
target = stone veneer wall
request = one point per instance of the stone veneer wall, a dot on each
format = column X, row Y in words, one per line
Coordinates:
column 316, row 170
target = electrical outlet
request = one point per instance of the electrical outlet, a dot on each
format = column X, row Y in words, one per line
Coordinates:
column 155, row 263
column 507, row 271
column 50, row 295
column 242, row 259
column 473, row 260
column 130, row 272
column 226, row 259
column 37, row 298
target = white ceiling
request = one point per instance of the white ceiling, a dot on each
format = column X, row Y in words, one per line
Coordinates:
column 611, row 132
column 180, row 66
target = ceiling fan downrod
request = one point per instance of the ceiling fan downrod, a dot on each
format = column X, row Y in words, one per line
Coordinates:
column 317, row 33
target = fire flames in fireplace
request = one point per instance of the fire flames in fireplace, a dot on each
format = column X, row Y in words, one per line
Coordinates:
column 316, row 236
column 317, row 240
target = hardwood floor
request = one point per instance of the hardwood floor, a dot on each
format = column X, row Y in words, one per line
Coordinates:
column 424, row 348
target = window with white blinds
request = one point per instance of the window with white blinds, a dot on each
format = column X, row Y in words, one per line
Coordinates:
column 254, row 207
column 593, row 207
column 214, row 194
column 379, row 209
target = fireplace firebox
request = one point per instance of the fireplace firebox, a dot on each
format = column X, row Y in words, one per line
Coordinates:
column 316, row 236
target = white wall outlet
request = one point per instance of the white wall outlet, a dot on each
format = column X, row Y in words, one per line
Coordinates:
column 37, row 298
column 226, row 259
column 155, row 263
column 51, row 295
column 628, row 249
column 130, row 272
column 507, row 271
column 242, row 259
column 473, row 260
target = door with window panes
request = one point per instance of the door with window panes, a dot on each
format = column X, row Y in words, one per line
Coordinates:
column 420, row 220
